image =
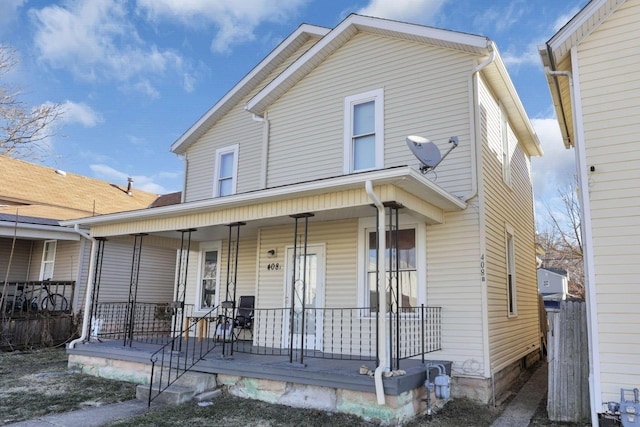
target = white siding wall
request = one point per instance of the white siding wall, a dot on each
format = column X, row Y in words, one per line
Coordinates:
column 609, row 63
column 510, row 338
column 19, row 268
column 236, row 127
column 157, row 270
column 425, row 93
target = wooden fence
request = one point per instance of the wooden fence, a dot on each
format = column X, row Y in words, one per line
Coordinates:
column 568, row 357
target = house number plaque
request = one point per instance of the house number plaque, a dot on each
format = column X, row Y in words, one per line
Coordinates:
column 482, row 277
column 274, row 266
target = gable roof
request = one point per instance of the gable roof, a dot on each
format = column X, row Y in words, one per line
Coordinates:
column 257, row 75
column 556, row 56
column 332, row 39
column 43, row 192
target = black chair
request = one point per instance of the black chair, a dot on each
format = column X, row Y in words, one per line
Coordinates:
column 244, row 315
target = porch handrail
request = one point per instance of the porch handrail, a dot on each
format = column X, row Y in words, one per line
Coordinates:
column 178, row 363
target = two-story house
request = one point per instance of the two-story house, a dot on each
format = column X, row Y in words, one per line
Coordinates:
column 592, row 69
column 301, row 191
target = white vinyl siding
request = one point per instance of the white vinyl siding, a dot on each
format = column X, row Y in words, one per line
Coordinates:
column 236, row 125
column 510, row 337
column 19, row 268
column 426, row 92
column 609, row 66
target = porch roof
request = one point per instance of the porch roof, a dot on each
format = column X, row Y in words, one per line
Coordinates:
column 329, row 199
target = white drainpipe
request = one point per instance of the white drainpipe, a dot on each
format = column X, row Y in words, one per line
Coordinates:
column 587, row 238
column 89, row 291
column 473, row 113
column 382, row 295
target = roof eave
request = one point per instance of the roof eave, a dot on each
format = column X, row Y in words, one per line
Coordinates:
column 405, row 177
column 353, row 24
column 244, row 86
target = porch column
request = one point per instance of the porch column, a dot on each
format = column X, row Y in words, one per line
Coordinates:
column 395, row 291
column 133, row 288
column 181, row 284
column 229, row 304
column 296, row 282
column 97, row 275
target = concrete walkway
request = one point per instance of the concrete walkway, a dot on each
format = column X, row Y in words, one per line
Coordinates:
column 90, row 417
column 521, row 409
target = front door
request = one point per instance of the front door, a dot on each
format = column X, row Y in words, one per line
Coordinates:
column 308, row 285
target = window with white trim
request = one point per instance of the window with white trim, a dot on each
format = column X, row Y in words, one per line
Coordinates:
column 511, row 271
column 411, row 265
column 209, row 275
column 226, row 171
column 364, row 131
column 48, row 259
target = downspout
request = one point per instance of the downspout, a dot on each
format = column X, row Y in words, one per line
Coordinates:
column 585, row 219
column 89, row 290
column 382, row 295
column 476, row 142
column 475, row 123
column 265, row 147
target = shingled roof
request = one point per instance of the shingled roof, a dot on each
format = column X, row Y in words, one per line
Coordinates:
column 44, row 192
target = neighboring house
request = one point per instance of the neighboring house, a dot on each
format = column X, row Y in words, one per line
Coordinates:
column 36, row 249
column 287, row 165
column 553, row 285
column 593, row 66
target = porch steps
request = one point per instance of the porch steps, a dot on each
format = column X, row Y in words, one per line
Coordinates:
column 183, row 390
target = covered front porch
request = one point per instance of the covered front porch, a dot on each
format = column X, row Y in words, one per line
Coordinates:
column 307, row 255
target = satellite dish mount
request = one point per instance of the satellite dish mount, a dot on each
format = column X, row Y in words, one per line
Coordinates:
column 427, row 152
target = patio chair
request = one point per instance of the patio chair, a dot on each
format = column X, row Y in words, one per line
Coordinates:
column 244, row 316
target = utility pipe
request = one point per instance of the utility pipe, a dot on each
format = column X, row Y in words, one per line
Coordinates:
column 587, row 237
column 475, row 122
column 89, row 291
column 382, row 294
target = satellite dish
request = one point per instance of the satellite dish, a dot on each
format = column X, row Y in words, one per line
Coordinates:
column 427, row 152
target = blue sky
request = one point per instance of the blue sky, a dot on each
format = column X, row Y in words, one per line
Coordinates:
column 134, row 75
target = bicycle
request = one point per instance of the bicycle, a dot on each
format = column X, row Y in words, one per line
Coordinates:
column 51, row 302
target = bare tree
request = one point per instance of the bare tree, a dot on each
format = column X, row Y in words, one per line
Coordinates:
column 562, row 240
column 23, row 129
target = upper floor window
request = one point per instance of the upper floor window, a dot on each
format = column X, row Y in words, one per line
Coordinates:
column 364, row 131
column 226, row 171
column 48, row 259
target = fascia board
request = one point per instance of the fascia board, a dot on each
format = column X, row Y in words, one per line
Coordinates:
column 344, row 31
column 404, row 177
column 37, row 232
column 517, row 114
column 241, row 88
column 580, row 26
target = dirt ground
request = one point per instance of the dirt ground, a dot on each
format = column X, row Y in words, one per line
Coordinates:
column 37, row 383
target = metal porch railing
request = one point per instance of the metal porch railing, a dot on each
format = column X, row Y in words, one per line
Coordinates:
column 20, row 299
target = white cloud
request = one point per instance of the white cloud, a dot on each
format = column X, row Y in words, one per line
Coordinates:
column 235, row 21
column 403, row 10
column 554, row 172
column 96, row 40
column 141, row 182
column 501, row 17
column 73, row 112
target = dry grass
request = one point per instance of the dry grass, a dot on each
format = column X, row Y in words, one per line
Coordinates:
column 37, row 383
